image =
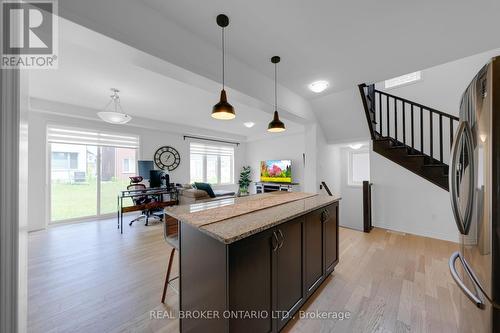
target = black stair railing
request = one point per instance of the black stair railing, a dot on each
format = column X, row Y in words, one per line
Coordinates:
column 323, row 184
column 423, row 129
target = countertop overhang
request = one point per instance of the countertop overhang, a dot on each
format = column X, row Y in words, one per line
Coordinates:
column 229, row 230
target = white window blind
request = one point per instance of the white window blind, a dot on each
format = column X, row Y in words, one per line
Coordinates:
column 204, row 149
column 90, row 137
column 212, row 164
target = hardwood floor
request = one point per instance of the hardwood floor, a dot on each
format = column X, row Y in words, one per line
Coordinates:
column 87, row 277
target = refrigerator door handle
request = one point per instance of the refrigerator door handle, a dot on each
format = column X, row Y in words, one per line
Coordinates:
column 453, row 270
column 463, row 222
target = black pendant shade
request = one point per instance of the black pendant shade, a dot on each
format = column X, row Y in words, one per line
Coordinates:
column 223, row 110
column 276, row 125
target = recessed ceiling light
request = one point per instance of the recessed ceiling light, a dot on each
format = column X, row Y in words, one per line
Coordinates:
column 249, row 124
column 319, row 86
column 356, row 146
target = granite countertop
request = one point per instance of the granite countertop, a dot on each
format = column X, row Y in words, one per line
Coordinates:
column 229, row 230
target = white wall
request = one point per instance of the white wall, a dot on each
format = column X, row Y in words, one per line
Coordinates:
column 150, row 140
column 335, row 173
column 405, row 202
column 283, row 147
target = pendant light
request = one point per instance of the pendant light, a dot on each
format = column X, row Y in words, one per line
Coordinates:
column 276, row 125
column 223, row 110
column 115, row 116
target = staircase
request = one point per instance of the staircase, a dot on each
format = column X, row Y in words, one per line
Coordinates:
column 415, row 136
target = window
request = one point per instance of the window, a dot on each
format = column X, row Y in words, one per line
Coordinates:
column 128, row 165
column 403, row 80
column 211, row 164
column 359, row 167
column 87, row 169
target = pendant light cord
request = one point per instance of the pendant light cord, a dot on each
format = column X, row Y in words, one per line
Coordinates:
column 275, row 87
column 223, row 59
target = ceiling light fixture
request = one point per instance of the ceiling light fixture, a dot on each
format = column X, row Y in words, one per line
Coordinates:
column 249, row 124
column 276, row 125
column 114, row 117
column 356, row 146
column 318, row 86
column 223, row 110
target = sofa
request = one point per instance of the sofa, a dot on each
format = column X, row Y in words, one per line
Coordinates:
column 192, row 195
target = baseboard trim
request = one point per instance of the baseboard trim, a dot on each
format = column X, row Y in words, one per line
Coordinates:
column 436, row 235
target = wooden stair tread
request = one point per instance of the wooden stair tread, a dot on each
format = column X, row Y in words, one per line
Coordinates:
column 436, row 173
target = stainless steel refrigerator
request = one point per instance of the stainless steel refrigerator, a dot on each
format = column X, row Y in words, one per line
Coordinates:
column 475, row 199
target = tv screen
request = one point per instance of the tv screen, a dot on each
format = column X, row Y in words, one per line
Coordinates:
column 279, row 171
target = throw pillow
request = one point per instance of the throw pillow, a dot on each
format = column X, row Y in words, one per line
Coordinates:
column 205, row 187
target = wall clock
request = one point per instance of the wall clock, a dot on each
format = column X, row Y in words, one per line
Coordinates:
column 167, row 158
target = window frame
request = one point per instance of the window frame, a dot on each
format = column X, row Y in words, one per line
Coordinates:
column 351, row 153
column 403, row 83
column 218, row 169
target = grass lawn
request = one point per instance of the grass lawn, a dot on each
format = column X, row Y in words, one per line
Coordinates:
column 79, row 200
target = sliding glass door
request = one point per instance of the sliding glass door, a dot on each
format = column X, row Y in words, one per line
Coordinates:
column 117, row 165
column 73, row 181
column 85, row 179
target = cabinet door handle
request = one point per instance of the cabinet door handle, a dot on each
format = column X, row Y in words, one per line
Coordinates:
column 282, row 239
column 325, row 215
column 275, row 237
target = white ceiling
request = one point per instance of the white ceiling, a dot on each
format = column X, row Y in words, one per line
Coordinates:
column 344, row 42
column 86, row 74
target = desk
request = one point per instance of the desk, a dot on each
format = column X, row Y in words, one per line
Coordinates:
column 156, row 192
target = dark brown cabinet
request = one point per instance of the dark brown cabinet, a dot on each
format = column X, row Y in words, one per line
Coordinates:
column 268, row 276
column 313, row 251
column 251, row 262
column 289, row 282
column 331, row 237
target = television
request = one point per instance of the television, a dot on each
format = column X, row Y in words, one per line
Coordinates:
column 277, row 171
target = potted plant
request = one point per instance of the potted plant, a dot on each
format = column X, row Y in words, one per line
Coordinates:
column 245, row 180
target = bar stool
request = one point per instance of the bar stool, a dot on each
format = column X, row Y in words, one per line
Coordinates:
column 171, row 236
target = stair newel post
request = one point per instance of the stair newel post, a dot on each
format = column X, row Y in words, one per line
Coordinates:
column 412, row 132
column 431, row 136
column 404, row 123
column 441, row 138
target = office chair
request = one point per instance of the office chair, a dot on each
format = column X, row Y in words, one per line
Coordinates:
column 140, row 200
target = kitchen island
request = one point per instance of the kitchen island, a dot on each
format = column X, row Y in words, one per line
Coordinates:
column 248, row 264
